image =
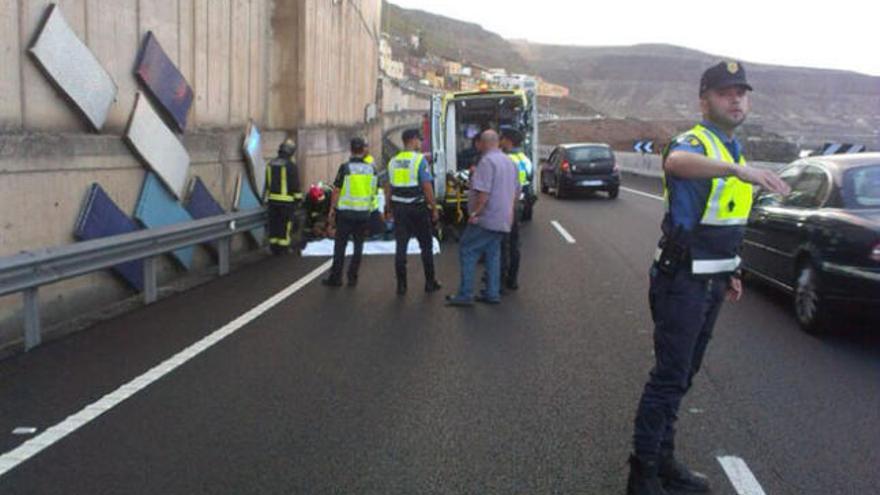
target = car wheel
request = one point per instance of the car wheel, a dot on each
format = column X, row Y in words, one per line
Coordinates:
column 558, row 192
column 613, row 193
column 809, row 306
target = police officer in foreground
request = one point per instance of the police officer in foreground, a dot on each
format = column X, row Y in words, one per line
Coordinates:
column 282, row 194
column 709, row 195
column 352, row 201
column 511, row 140
column 410, row 194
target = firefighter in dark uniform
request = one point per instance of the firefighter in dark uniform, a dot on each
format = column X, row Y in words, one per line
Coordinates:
column 410, row 194
column 352, row 201
column 708, row 190
column 282, row 194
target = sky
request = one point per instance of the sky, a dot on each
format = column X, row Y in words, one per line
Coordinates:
column 840, row 35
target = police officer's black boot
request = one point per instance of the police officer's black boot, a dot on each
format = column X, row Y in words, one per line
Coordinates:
column 432, row 286
column 643, row 477
column 431, row 283
column 678, row 478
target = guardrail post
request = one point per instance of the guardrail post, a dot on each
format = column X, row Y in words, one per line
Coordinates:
column 223, row 248
column 32, row 336
column 151, row 292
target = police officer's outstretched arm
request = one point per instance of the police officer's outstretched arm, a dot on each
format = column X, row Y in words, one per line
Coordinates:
column 687, row 165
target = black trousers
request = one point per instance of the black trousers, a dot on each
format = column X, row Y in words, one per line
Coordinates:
column 684, row 309
column 281, row 224
column 413, row 220
column 510, row 254
column 348, row 228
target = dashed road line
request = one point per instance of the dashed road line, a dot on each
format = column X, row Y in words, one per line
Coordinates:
column 32, row 447
column 640, row 193
column 564, row 233
column 744, row 482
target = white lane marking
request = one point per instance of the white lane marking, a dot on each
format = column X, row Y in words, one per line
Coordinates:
column 32, row 447
column 564, row 233
column 24, row 430
column 744, row 482
column 640, row 193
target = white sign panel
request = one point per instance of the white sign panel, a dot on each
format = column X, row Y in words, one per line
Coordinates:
column 72, row 67
column 159, row 148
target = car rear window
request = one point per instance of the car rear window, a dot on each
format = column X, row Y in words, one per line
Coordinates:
column 588, row 153
column 862, row 187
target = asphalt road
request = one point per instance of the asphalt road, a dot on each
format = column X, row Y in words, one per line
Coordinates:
column 359, row 391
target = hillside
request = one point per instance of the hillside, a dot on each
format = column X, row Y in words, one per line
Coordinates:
column 453, row 39
column 659, row 82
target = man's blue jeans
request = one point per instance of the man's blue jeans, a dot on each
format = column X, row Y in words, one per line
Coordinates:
column 475, row 242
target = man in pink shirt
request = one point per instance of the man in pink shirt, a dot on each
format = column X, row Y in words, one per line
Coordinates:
column 493, row 194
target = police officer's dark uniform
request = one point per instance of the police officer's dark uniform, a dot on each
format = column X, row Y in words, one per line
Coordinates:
column 702, row 232
column 282, row 194
column 408, row 177
column 510, row 248
column 354, row 198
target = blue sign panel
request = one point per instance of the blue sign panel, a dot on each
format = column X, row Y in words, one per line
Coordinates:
column 247, row 200
column 164, row 83
column 157, row 208
column 100, row 217
column 201, row 204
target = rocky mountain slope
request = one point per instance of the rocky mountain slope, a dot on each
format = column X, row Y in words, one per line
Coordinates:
column 659, row 82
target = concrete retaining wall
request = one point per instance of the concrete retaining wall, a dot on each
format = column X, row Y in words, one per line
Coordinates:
column 651, row 165
column 303, row 67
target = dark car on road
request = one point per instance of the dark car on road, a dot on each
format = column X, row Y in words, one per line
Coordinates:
column 821, row 242
column 581, row 167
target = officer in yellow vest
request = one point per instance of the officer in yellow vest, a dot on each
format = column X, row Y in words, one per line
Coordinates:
column 708, row 190
column 282, row 193
column 511, row 140
column 352, row 201
column 409, row 194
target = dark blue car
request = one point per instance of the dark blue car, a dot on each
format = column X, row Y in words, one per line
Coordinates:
column 581, row 167
column 821, row 243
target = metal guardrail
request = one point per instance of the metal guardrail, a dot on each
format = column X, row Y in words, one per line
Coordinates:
column 27, row 271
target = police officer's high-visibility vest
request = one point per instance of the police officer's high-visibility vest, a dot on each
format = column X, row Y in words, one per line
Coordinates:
column 359, row 188
column 403, row 176
column 368, row 158
column 714, row 243
column 278, row 179
column 523, row 166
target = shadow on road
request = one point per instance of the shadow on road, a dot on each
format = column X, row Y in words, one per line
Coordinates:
column 855, row 334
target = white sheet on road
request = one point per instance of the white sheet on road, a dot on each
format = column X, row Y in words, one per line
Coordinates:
column 324, row 247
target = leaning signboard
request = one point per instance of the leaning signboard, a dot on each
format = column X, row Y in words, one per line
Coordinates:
column 163, row 81
column 73, row 68
column 159, row 148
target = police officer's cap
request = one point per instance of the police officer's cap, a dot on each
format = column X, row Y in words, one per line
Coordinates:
column 358, row 144
column 724, row 75
column 288, row 147
column 411, row 134
column 512, row 133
